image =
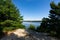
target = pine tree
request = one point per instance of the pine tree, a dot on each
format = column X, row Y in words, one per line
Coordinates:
column 10, row 17
column 55, row 18
column 52, row 24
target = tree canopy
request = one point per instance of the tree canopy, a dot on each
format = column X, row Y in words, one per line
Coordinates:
column 52, row 24
column 10, row 17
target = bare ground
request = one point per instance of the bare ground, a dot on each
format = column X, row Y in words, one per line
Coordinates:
column 28, row 35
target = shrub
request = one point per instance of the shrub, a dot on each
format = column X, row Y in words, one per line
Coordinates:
column 32, row 27
column 38, row 29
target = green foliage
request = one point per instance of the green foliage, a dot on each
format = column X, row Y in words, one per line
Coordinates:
column 8, row 11
column 6, row 29
column 10, row 25
column 52, row 33
column 55, row 18
column 44, row 25
column 32, row 27
column 52, row 24
column 10, row 18
column 38, row 29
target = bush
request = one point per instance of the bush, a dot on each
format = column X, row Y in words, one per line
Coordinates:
column 38, row 29
column 32, row 27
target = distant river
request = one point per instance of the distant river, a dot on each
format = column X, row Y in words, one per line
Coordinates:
column 27, row 24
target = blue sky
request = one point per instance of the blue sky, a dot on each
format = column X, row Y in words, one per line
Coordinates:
column 33, row 9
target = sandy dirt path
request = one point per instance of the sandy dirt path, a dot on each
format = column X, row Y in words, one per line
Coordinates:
column 22, row 34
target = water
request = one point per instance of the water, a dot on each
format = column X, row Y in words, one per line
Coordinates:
column 27, row 24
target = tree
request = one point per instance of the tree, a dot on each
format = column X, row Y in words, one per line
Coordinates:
column 44, row 25
column 52, row 24
column 55, row 18
column 8, row 11
column 9, row 15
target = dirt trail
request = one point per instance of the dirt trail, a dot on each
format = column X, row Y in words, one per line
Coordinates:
column 22, row 34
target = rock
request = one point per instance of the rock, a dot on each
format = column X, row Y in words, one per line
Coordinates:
column 22, row 34
column 18, row 32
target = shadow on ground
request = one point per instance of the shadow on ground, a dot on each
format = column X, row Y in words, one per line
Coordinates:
column 32, row 35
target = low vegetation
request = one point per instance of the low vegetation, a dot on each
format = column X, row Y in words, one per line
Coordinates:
column 31, row 27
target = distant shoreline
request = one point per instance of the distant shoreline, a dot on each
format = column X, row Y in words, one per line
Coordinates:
column 31, row 21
